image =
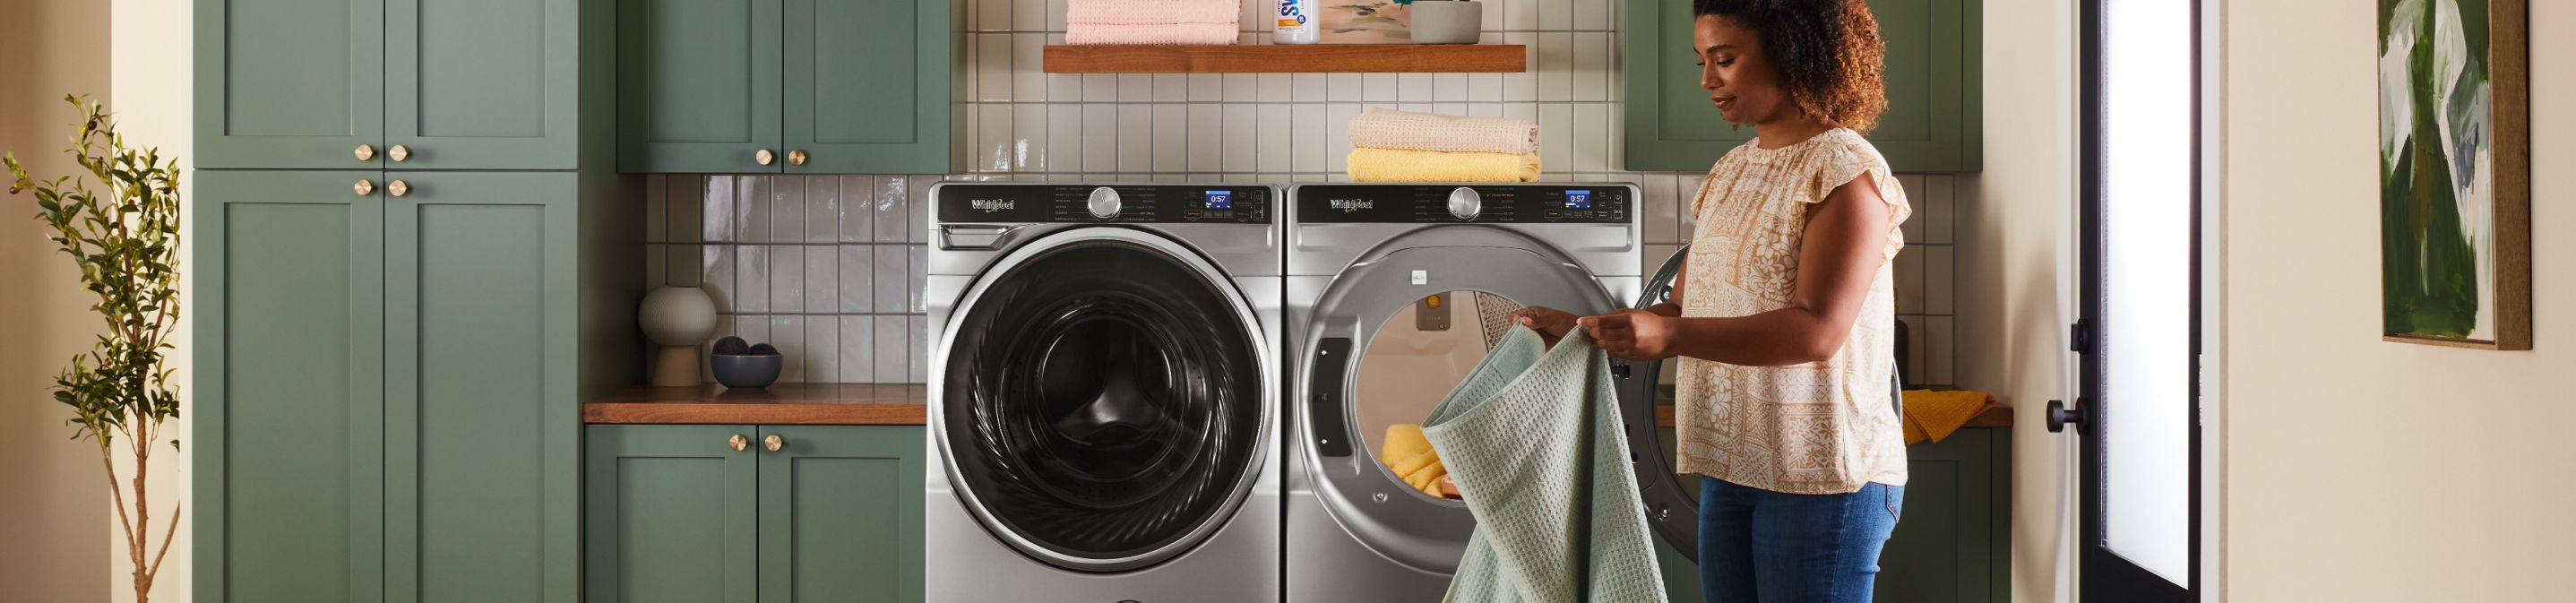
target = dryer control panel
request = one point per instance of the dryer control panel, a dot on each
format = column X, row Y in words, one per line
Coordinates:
column 1096, row 204
column 1465, row 204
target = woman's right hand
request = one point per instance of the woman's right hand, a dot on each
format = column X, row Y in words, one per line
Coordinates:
column 1550, row 323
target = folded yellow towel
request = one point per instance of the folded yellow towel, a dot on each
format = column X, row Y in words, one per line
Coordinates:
column 1406, row 452
column 1399, row 165
column 1931, row 415
column 1382, row 128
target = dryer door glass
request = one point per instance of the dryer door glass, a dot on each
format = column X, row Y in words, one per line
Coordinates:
column 1102, row 403
column 1417, row 356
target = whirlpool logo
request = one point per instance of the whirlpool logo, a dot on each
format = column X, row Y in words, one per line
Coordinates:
column 1350, row 205
column 992, row 205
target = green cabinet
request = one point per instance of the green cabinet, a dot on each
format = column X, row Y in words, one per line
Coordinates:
column 1932, row 76
column 1954, row 542
column 457, row 84
column 391, row 385
column 676, row 514
column 788, row 86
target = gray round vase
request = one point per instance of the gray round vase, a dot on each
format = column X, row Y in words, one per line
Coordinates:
column 1447, row 21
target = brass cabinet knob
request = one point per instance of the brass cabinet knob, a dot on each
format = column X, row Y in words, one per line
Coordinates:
column 764, row 157
column 738, row 443
column 398, row 188
column 364, row 187
column 398, row 153
column 366, row 152
column 774, row 443
column 796, row 157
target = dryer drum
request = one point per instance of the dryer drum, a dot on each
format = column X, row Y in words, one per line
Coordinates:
column 1106, row 400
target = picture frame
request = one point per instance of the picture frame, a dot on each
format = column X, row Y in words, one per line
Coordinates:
column 2455, row 173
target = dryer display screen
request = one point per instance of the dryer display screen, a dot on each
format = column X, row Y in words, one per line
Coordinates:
column 1495, row 204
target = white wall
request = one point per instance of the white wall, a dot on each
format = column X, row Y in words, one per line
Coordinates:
column 2010, row 326
column 2360, row 470
column 52, row 492
column 152, row 78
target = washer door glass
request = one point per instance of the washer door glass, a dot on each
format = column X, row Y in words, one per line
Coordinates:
column 1102, row 403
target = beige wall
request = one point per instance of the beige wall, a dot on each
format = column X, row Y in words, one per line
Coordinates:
column 2009, row 322
column 2360, row 470
column 53, row 497
column 152, row 82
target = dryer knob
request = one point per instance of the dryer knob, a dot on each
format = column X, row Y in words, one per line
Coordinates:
column 1465, row 203
column 1104, row 203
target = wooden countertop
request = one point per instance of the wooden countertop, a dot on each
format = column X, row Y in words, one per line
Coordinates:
column 781, row 404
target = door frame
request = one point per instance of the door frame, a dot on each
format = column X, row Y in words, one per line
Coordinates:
column 2078, row 283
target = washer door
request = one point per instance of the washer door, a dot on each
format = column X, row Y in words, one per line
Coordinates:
column 1391, row 335
column 1103, row 400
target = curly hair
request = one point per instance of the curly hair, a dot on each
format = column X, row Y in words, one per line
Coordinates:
column 1827, row 51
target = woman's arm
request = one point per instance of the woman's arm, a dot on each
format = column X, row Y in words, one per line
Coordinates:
column 1838, row 257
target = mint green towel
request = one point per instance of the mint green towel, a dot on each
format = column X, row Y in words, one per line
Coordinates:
column 1534, row 440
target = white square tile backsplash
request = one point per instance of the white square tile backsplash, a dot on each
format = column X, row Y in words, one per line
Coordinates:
column 828, row 268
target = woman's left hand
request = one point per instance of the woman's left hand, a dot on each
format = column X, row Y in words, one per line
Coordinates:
column 1633, row 334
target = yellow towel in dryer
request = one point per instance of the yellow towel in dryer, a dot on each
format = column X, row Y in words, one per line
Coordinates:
column 1400, row 165
column 1409, row 455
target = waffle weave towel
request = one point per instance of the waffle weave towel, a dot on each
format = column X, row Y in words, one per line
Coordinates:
column 1130, row 22
column 1399, row 165
column 1107, row 34
column 1534, row 440
column 1382, row 128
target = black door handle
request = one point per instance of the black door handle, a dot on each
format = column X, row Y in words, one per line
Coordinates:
column 2059, row 416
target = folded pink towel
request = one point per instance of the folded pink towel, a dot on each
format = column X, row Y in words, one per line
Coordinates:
column 1151, row 12
column 1101, row 34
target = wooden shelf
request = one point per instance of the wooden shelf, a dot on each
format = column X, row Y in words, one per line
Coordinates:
column 782, row 404
column 1290, row 58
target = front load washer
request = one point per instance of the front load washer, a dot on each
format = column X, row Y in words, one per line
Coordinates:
column 1394, row 292
column 1103, row 393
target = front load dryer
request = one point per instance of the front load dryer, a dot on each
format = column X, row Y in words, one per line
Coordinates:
column 1394, row 293
column 1103, row 393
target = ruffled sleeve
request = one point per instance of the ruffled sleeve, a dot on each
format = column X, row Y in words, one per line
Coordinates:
column 1845, row 160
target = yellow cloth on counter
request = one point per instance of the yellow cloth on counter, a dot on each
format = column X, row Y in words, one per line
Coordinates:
column 1934, row 415
column 1401, row 165
column 1406, row 452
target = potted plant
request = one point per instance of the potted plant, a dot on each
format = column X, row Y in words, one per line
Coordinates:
column 125, row 238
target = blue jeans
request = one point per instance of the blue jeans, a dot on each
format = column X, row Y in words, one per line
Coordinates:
column 1760, row 546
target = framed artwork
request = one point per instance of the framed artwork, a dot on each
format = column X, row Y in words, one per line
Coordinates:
column 1366, row 22
column 2455, row 173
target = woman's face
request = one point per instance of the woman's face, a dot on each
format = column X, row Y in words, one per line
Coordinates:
column 1740, row 80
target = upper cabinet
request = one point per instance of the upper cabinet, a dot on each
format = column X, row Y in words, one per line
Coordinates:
column 393, row 84
column 1932, row 76
column 787, row 86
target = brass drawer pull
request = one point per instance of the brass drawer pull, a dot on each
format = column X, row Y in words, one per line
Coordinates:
column 774, row 443
column 738, row 443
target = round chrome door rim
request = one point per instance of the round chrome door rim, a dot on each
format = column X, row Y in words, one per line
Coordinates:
column 1245, row 316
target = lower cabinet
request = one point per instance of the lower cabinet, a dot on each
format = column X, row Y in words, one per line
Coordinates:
column 799, row 514
column 1953, row 544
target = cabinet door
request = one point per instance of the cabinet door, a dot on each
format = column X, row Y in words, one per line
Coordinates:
column 671, row 514
column 289, row 83
column 482, row 84
column 867, row 85
column 840, row 515
column 484, row 416
column 1953, row 543
column 289, row 389
column 698, row 85
column 1932, row 76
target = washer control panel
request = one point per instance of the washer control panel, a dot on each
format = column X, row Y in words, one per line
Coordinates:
column 1116, row 203
column 1466, row 204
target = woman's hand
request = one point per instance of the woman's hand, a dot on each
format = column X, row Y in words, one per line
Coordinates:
column 1550, row 323
column 1634, row 334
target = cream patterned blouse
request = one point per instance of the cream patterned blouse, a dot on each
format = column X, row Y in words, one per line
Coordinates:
column 1818, row 428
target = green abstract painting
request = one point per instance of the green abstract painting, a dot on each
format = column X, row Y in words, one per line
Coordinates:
column 2439, row 172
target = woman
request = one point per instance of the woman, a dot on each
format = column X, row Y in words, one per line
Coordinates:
column 1783, row 316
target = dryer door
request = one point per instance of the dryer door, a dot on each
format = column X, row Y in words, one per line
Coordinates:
column 1102, row 400
column 1390, row 336
column 1646, row 402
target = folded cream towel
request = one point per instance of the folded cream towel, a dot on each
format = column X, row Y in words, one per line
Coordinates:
column 1107, row 34
column 1391, row 129
column 1151, row 12
column 1397, row 165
